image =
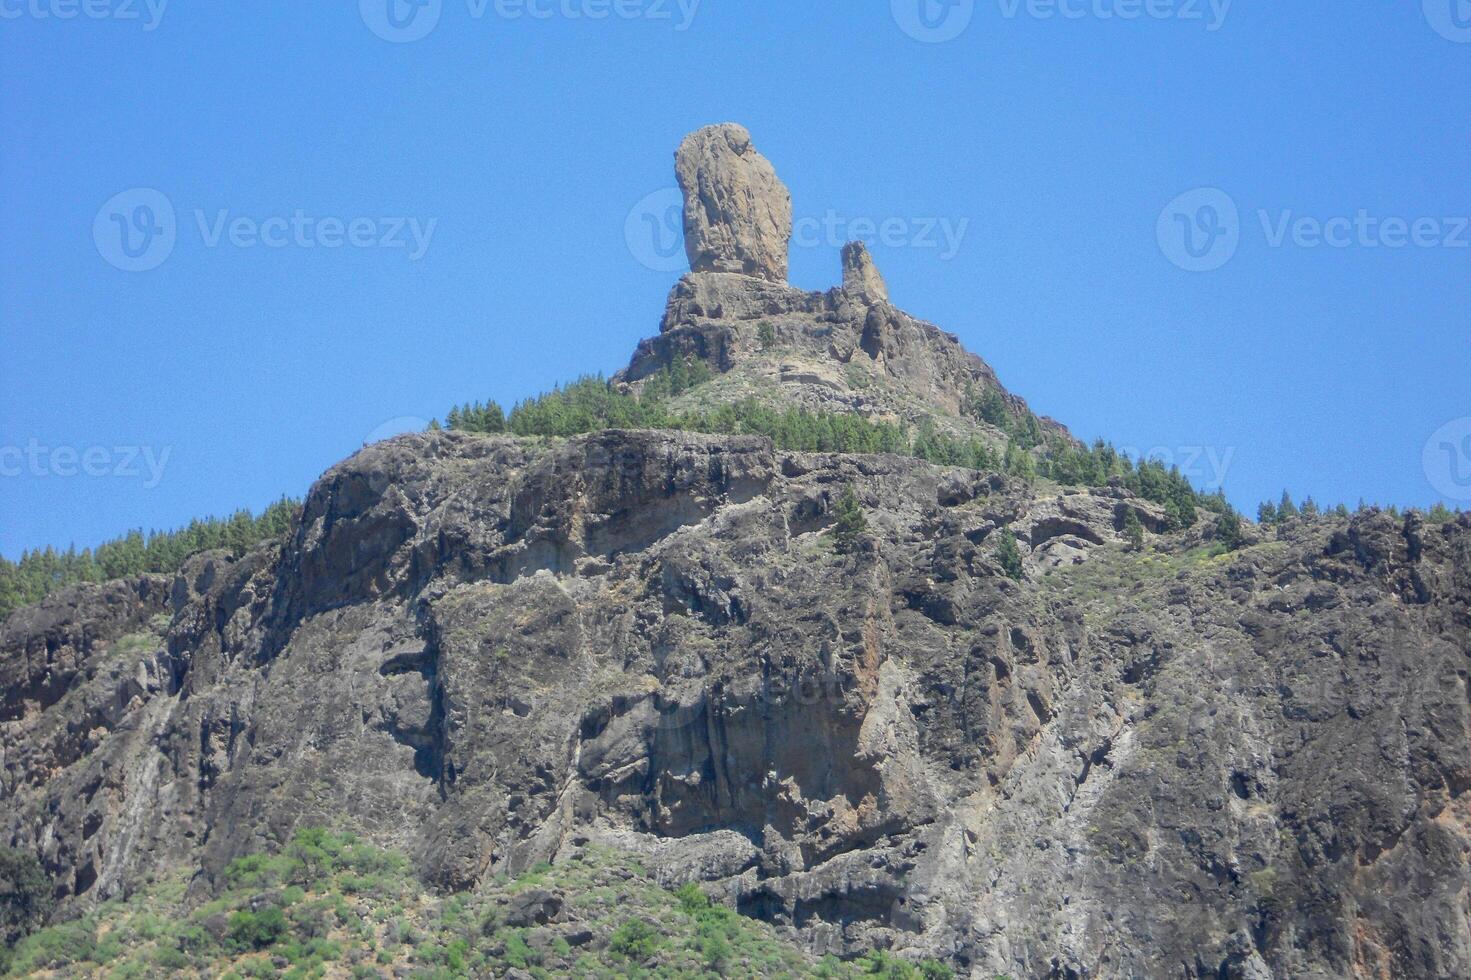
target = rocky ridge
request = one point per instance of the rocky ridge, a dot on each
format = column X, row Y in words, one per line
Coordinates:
column 489, row 652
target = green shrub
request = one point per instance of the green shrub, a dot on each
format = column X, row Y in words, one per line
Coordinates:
column 635, row 939
column 851, row 523
column 171, row 958
column 257, row 930
column 59, row 946
column 518, row 954
column 25, row 893
column 691, row 898
column 1228, row 530
column 1008, row 555
column 1134, row 530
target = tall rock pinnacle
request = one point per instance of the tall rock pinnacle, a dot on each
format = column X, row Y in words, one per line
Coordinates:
column 737, row 212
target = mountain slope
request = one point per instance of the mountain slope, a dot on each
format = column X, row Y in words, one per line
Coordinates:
column 1094, row 759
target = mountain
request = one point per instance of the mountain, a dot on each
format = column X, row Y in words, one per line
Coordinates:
column 1019, row 722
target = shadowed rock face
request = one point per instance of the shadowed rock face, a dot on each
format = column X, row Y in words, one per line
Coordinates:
column 861, row 276
column 737, row 212
column 1247, row 767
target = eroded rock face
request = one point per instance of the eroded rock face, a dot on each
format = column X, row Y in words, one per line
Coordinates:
column 910, row 367
column 844, row 350
column 484, row 651
column 737, row 212
column 861, row 276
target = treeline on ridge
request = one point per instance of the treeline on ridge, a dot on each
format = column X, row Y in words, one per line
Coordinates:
column 592, row 403
column 44, row 570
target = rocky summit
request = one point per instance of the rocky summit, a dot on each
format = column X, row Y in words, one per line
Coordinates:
column 995, row 717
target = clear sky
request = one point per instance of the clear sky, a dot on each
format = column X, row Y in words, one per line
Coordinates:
column 1054, row 141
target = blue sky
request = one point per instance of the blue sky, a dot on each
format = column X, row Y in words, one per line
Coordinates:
column 1062, row 152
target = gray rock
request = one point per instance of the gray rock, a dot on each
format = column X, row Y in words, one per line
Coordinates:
column 490, row 652
column 898, row 748
column 533, row 907
column 861, row 276
column 737, row 213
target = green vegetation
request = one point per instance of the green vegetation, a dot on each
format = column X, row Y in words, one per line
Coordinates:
column 1008, row 555
column 1286, row 509
column 852, row 523
column 1440, row 514
column 328, row 904
column 477, row 418
column 1134, row 530
column 1228, row 531
column 25, row 898
column 591, row 404
column 989, row 407
column 41, row 572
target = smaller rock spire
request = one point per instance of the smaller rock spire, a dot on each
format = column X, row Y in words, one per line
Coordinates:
column 860, row 274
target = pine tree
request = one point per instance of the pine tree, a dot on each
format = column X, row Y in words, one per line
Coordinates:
column 765, row 335
column 1134, row 530
column 992, row 407
column 1008, row 555
column 1228, row 530
column 494, row 418
column 1174, row 519
column 1286, row 510
column 1267, row 513
column 1309, row 507
column 852, row 523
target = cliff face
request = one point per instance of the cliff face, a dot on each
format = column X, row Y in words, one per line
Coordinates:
column 483, row 652
column 488, row 652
